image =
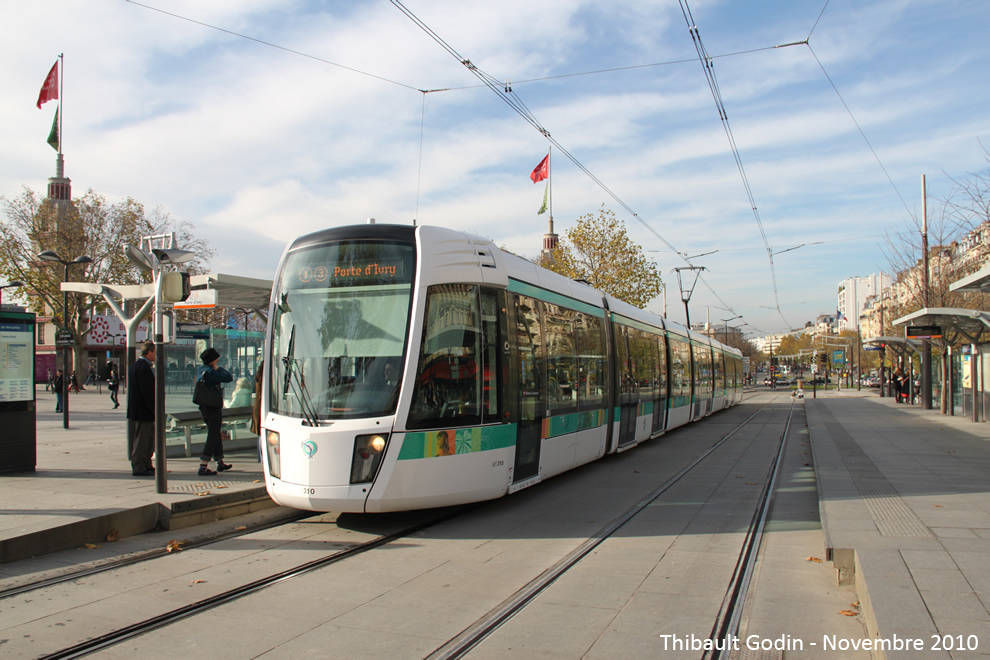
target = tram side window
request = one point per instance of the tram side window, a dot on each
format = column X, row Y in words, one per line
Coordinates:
column 529, row 340
column 562, row 394
column 642, row 348
column 680, row 370
column 719, row 362
column 592, row 378
column 661, row 367
column 449, row 387
column 491, row 393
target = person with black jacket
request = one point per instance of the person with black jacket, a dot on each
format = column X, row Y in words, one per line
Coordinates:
column 141, row 411
column 212, row 375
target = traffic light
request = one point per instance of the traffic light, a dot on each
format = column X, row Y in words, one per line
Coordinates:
column 823, row 359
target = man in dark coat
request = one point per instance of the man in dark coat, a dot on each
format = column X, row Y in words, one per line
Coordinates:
column 141, row 410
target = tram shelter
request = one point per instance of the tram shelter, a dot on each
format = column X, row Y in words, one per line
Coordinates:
column 211, row 290
column 966, row 359
column 904, row 350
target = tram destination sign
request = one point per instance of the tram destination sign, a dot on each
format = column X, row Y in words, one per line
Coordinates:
column 923, row 331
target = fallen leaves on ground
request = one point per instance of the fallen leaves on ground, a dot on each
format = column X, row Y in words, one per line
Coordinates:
column 848, row 613
column 197, row 582
column 173, row 546
column 92, row 546
column 112, row 535
column 201, row 494
column 237, row 529
column 814, row 559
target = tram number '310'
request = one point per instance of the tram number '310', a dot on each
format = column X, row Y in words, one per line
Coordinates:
column 309, row 491
column 498, row 463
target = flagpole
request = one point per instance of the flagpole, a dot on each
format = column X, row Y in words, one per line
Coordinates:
column 61, row 100
column 550, row 184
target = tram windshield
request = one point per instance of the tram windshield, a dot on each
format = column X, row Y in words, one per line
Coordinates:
column 339, row 330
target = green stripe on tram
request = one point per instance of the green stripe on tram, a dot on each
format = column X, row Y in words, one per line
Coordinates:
column 522, row 288
column 573, row 422
column 445, row 442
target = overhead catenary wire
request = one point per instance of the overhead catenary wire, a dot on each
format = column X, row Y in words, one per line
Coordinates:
column 505, row 92
column 502, row 89
column 708, row 66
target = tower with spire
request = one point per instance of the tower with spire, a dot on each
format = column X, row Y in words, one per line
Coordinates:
column 550, row 240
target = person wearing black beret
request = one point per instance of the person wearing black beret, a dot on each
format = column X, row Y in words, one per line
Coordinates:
column 210, row 375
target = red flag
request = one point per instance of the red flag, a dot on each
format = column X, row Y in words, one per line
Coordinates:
column 49, row 91
column 542, row 170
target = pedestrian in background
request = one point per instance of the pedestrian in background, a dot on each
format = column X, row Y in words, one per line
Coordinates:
column 212, row 376
column 57, row 385
column 113, row 384
column 141, row 411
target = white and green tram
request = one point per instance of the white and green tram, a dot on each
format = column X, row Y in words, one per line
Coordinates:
column 417, row 367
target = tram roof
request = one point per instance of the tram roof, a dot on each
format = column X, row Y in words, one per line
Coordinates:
column 971, row 325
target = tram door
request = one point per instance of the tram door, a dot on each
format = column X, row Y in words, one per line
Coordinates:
column 531, row 387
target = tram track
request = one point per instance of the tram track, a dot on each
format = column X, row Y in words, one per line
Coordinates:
column 145, row 555
column 119, row 635
column 459, row 645
column 728, row 619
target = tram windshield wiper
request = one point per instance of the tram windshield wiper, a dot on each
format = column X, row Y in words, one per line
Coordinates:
column 293, row 380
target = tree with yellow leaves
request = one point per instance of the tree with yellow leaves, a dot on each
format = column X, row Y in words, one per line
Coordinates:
column 598, row 250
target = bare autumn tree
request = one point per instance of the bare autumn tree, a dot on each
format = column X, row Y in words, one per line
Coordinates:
column 90, row 225
column 958, row 245
column 598, row 249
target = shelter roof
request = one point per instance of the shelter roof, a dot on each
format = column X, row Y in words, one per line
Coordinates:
column 899, row 344
column 978, row 282
column 235, row 291
column 969, row 325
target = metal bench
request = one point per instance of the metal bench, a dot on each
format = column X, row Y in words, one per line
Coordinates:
column 188, row 420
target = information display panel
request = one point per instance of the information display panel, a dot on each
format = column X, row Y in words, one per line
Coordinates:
column 16, row 360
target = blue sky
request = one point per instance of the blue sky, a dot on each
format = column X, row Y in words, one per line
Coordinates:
column 255, row 144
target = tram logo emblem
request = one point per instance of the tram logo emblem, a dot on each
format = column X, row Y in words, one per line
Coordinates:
column 310, row 448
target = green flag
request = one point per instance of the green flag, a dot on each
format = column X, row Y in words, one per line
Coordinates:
column 53, row 136
column 543, row 209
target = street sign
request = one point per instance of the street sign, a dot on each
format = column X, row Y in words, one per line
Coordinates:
column 838, row 357
column 923, row 332
column 872, row 347
column 65, row 338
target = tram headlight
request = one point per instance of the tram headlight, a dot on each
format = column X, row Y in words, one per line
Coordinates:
column 368, row 452
column 272, row 443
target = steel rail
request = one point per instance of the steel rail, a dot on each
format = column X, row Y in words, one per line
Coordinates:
column 472, row 636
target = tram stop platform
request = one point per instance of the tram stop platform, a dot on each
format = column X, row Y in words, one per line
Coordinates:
column 904, row 499
column 82, row 491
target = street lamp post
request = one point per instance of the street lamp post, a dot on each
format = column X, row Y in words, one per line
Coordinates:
column 686, row 292
column 725, row 334
column 49, row 255
column 7, row 286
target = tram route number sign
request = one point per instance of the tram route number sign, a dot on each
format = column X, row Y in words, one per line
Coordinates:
column 923, row 332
